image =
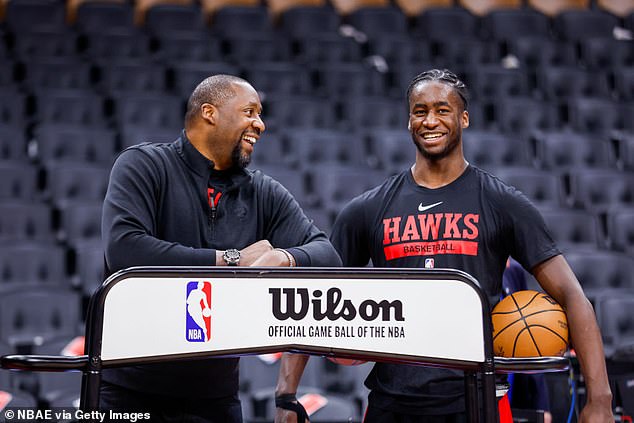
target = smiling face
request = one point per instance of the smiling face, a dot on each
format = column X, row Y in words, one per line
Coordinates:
column 238, row 127
column 436, row 120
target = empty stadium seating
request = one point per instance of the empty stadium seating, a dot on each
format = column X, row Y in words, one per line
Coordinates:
column 552, row 86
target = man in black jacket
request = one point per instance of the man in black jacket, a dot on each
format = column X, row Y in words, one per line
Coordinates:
column 193, row 203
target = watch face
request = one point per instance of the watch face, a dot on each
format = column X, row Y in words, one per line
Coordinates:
column 231, row 257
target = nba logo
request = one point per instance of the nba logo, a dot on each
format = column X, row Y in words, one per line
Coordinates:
column 198, row 312
column 429, row 263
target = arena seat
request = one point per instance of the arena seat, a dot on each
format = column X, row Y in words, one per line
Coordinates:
column 31, row 263
column 600, row 190
column 117, row 45
column 281, row 112
column 390, row 149
column 271, row 150
column 251, row 48
column 26, row 222
column 620, row 232
column 348, row 81
column 279, row 78
column 302, row 21
column 189, row 48
column 69, row 181
column 230, row 21
column 12, row 143
column 158, row 110
column 537, row 52
column 44, row 44
column 545, row 189
column 7, row 73
column 310, row 147
column 80, row 222
column 35, row 16
column 580, row 24
column 327, row 48
column 625, row 148
column 259, row 372
column 507, row 24
column 376, row 22
column 362, row 113
column 174, row 18
column 89, row 16
column 616, row 321
column 560, row 151
column 600, row 270
column 521, row 116
column 564, row 83
column 400, row 50
column 131, row 76
column 18, row 181
column 493, row 82
column 607, row 54
column 597, row 115
column 490, row 149
column 573, row 229
column 89, row 268
column 327, row 190
column 65, row 74
column 34, row 314
column 80, row 107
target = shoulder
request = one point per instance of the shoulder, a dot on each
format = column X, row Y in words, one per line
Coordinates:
column 495, row 189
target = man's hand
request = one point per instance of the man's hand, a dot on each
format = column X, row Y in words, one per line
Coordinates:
column 597, row 412
column 273, row 258
column 249, row 255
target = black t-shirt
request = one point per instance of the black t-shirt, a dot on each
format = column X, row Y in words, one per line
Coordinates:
column 473, row 224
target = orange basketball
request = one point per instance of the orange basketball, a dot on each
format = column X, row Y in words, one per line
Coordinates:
column 529, row 324
column 346, row 361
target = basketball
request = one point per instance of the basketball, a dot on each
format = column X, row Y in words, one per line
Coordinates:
column 346, row 361
column 529, row 324
column 206, row 312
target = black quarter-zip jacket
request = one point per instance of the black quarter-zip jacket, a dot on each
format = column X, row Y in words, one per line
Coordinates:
column 157, row 212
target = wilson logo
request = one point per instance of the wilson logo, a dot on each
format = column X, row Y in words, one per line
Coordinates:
column 297, row 303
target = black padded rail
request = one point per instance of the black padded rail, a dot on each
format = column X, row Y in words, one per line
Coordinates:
column 531, row 364
column 44, row 363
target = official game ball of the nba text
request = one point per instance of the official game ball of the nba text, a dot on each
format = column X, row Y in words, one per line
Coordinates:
column 346, row 361
column 529, row 324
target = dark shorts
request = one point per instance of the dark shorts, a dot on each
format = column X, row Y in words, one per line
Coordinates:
column 119, row 402
column 378, row 415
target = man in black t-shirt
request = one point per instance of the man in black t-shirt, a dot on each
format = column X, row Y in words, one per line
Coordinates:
column 445, row 213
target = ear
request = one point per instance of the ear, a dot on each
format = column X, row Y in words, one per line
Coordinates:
column 409, row 125
column 465, row 119
column 208, row 113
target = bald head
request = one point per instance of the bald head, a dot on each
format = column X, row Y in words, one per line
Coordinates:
column 213, row 90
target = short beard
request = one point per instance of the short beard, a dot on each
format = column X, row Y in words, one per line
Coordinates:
column 449, row 148
column 239, row 159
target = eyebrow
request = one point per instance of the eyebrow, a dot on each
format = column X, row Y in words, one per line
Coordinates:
column 436, row 104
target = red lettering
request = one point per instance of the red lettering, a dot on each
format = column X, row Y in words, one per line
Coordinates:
column 410, row 233
column 391, row 229
column 470, row 221
column 429, row 222
column 451, row 225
